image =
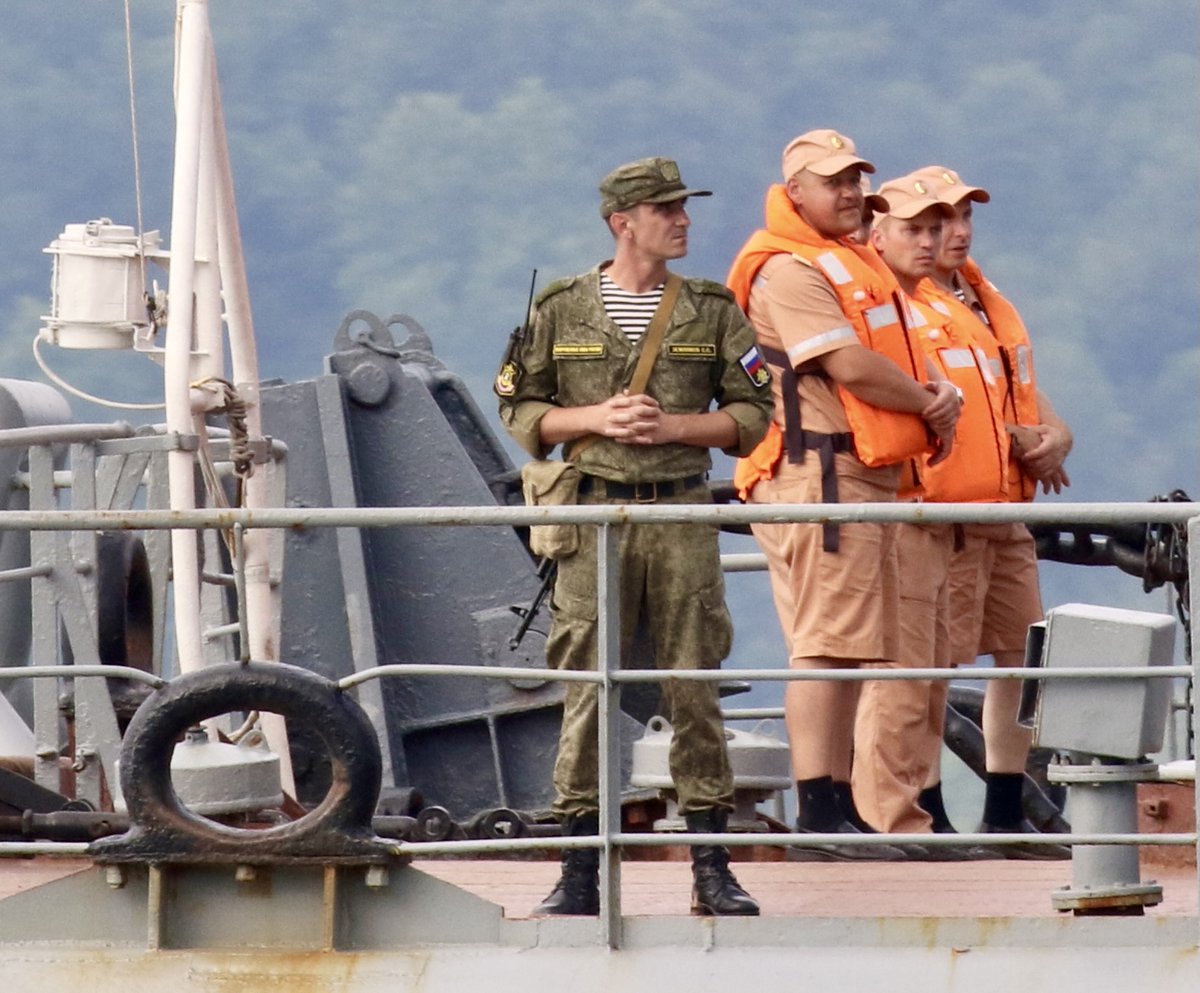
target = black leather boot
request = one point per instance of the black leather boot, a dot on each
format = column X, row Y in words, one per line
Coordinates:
column 578, row 888
column 716, row 889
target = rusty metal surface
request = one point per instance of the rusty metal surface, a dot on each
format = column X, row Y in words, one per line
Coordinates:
column 668, row 969
column 420, row 933
column 1166, row 808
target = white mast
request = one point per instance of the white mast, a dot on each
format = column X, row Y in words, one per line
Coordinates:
column 206, row 265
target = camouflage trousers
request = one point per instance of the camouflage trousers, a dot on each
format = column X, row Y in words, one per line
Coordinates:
column 671, row 582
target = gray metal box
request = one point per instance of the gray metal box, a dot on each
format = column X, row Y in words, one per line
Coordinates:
column 1122, row 718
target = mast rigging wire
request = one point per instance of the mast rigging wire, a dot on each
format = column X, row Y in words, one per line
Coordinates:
column 137, row 162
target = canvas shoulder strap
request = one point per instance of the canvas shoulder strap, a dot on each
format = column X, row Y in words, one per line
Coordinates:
column 651, row 342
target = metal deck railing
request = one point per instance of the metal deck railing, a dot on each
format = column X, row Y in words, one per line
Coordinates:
column 609, row 677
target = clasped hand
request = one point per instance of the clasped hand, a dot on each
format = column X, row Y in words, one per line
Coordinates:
column 1042, row 450
column 941, row 414
column 635, row 419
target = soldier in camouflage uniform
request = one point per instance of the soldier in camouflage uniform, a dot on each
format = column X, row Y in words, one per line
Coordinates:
column 567, row 381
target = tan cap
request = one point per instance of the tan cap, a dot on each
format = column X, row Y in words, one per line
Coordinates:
column 872, row 201
column 948, row 185
column 823, row 152
column 907, row 196
column 653, row 180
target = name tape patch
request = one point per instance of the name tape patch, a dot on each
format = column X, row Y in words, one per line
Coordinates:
column 698, row 350
column 566, row 350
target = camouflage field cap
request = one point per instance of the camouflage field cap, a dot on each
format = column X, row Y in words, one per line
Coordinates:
column 653, row 180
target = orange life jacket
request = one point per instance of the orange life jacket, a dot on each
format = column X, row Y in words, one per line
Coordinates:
column 1006, row 342
column 867, row 293
column 759, row 464
column 976, row 470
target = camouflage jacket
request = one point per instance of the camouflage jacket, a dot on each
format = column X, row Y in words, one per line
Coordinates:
column 574, row 355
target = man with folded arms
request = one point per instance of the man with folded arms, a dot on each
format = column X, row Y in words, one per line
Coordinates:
column 853, row 402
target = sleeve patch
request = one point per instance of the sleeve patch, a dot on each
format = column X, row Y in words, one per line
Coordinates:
column 755, row 368
column 506, row 380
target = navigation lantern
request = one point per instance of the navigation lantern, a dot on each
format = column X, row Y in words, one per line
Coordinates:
column 98, row 285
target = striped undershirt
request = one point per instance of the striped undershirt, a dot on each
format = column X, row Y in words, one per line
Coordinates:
column 631, row 312
column 974, row 304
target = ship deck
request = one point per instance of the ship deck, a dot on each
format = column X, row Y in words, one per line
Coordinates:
column 445, row 925
column 1000, row 888
column 985, row 889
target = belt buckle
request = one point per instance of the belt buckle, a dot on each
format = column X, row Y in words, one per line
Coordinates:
column 640, row 488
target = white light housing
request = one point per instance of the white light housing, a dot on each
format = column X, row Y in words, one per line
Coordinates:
column 97, row 285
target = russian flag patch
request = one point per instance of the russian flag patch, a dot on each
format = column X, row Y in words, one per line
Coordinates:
column 752, row 362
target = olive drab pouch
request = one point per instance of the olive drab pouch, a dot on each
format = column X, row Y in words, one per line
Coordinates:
column 550, row 483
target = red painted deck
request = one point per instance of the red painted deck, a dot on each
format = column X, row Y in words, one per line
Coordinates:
column 784, row 889
column 806, row 889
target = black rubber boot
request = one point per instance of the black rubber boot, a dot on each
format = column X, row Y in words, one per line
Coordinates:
column 578, row 888
column 715, row 890
column 845, row 801
column 930, row 800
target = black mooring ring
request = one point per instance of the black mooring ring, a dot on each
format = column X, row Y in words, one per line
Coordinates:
column 163, row 828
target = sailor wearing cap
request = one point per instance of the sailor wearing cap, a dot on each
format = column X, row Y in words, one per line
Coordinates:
column 853, row 403
column 899, row 725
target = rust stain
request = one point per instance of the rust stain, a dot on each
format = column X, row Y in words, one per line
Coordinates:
column 1185, row 957
column 299, row 972
column 929, row 928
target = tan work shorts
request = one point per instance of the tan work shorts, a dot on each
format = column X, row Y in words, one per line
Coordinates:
column 843, row 604
column 924, row 557
column 994, row 591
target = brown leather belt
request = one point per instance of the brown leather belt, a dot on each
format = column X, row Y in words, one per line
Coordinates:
column 639, row 492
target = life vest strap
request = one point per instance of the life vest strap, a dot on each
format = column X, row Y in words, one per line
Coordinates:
column 797, row 442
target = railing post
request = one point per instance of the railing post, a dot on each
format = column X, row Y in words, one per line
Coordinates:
column 44, row 621
column 608, row 659
column 1193, row 609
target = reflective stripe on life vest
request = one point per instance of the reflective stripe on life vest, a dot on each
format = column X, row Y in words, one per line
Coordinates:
column 976, row 470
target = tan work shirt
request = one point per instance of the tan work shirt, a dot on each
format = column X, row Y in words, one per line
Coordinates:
column 795, row 310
